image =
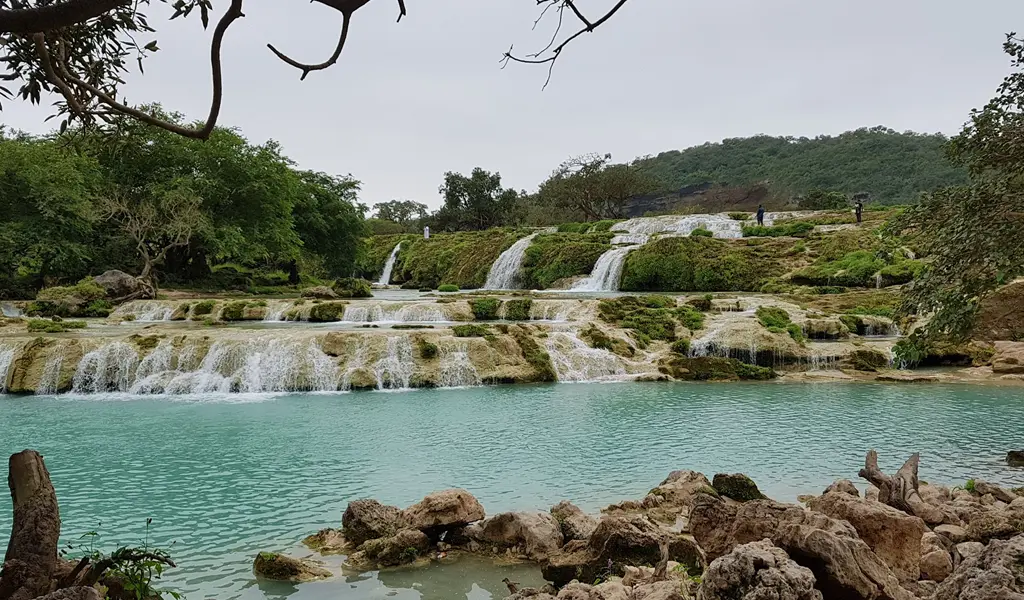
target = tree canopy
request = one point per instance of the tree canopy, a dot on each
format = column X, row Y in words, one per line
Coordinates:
column 593, row 188
column 476, row 202
column 890, row 167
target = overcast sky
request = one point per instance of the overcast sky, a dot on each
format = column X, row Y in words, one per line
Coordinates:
column 409, row 101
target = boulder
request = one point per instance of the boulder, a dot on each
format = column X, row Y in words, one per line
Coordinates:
column 660, row 590
column 680, row 488
column 996, row 573
column 1000, row 314
column 536, row 534
column 609, row 590
column 844, row 486
column 118, row 284
column 277, row 567
column 825, row 329
column 404, row 547
column 368, row 520
column 326, row 541
column 954, row 533
column 319, row 292
column 843, row 564
column 984, row 488
column 443, row 510
column 936, row 562
column 754, row 571
column 996, row 523
column 1015, row 458
column 893, row 535
column 575, row 524
column 737, row 486
column 968, row 549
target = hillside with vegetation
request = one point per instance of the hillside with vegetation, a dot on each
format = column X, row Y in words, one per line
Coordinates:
column 889, row 166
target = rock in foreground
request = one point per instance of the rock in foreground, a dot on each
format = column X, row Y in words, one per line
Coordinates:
column 277, row 567
column 757, row 570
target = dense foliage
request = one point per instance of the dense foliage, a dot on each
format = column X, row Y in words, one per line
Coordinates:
column 146, row 200
column 891, row 167
column 974, row 233
column 476, row 202
column 702, row 264
column 593, row 188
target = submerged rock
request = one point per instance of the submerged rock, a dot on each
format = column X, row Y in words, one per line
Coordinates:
column 277, row 567
column 365, row 520
column 737, row 486
column 755, row 571
column 444, row 509
column 404, row 547
column 1015, row 458
column 326, row 541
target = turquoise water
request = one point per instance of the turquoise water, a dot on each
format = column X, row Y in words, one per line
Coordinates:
column 225, row 477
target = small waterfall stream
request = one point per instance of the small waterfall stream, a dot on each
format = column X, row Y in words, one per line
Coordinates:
column 394, row 369
column 9, row 310
column 6, row 359
column 385, row 276
column 575, row 361
column 420, row 312
column 456, row 368
column 276, row 310
column 49, row 382
column 145, row 310
column 607, row 272
column 503, row 273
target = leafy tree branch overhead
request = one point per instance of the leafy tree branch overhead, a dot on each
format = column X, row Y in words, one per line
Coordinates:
column 81, row 50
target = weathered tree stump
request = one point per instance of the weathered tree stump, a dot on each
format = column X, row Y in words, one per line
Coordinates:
column 901, row 490
column 31, row 556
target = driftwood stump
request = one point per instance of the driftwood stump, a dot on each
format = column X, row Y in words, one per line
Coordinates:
column 901, row 490
column 32, row 551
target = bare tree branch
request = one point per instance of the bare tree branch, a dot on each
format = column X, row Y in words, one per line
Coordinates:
column 550, row 60
column 345, row 19
column 55, row 16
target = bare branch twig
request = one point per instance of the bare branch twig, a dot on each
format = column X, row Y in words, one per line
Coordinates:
column 306, row 69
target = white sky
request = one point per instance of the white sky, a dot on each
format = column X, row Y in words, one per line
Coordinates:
column 409, row 101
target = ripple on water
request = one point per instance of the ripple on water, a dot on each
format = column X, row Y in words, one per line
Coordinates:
column 226, row 476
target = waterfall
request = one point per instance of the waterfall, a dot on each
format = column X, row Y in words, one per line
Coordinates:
column 421, row 312
column 394, row 369
column 257, row 365
column 574, row 360
column 505, row 269
column 358, row 361
column 878, row 280
column 275, row 311
column 555, row 311
column 9, row 310
column 49, row 382
column 6, row 360
column 385, row 277
column 607, row 272
column 145, row 310
column 456, row 368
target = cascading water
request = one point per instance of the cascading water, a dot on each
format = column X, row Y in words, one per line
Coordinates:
column 258, row 365
column 49, row 382
column 420, row 312
column 607, row 272
column 276, row 311
column 385, row 276
column 358, row 361
column 573, row 360
column 554, row 311
column 505, row 269
column 394, row 369
column 456, row 368
column 9, row 310
column 145, row 310
column 6, row 359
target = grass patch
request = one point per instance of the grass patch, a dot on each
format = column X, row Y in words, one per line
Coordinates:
column 49, row 326
column 203, row 307
column 784, row 229
column 485, row 309
column 471, row 330
column 427, row 349
column 856, row 269
column 701, row 232
column 702, row 264
column 681, row 346
column 690, row 317
column 447, row 287
column 518, row 309
column 554, row 256
column 739, row 216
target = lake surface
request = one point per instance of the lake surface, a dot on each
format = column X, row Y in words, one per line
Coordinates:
column 224, row 477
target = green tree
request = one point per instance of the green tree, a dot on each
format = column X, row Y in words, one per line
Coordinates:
column 818, row 199
column 329, row 221
column 477, row 202
column 973, row 234
column 592, row 187
column 403, row 212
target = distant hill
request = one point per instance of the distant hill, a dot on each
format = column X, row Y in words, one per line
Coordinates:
column 891, row 167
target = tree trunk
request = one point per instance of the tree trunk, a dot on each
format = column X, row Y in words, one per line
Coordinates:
column 32, row 551
column 901, row 490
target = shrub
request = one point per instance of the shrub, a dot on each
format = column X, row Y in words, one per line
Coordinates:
column 785, row 229
column 702, row 303
column 485, row 309
column 909, row 352
column 856, row 269
column 352, row 287
column 681, row 346
column 518, row 309
column 203, row 307
column 84, row 299
column 230, row 276
column 49, row 326
column 605, row 225
column 701, row 232
column 795, row 332
column 773, row 317
column 447, row 287
column 427, row 349
column 739, row 216
column 471, row 330
column 97, row 308
column 690, row 317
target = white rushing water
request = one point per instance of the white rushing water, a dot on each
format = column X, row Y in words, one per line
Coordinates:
column 456, row 368
column 276, row 311
column 385, row 276
column 49, row 382
column 6, row 359
column 575, row 361
column 9, row 310
column 607, row 272
column 394, row 369
column 504, row 271
column 145, row 310
column 255, row 365
column 420, row 312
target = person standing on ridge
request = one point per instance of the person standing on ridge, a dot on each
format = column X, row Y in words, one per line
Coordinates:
column 859, row 209
column 760, row 214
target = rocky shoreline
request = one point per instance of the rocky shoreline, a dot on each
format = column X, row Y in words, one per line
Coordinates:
column 717, row 539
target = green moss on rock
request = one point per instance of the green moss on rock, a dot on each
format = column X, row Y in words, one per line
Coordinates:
column 327, row 312
column 737, row 486
column 555, row 256
column 518, row 309
column 534, row 353
column 713, row 368
column 700, row 264
column 485, row 309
